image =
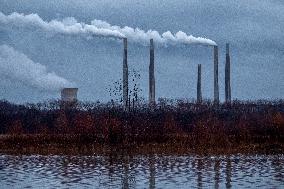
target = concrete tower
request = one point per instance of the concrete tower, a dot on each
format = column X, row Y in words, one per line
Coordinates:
column 216, row 84
column 125, row 74
column 151, row 74
column 199, row 94
column 68, row 98
column 69, row 95
column 228, row 75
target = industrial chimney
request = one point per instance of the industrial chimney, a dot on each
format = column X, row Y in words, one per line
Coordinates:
column 69, row 95
column 216, row 84
column 199, row 94
column 228, row 75
column 152, row 74
column 125, row 74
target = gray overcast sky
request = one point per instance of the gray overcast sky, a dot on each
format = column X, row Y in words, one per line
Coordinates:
column 254, row 29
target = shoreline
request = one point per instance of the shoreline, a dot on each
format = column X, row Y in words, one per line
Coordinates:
column 75, row 145
column 166, row 128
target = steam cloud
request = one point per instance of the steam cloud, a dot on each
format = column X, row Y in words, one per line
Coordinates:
column 101, row 28
column 17, row 66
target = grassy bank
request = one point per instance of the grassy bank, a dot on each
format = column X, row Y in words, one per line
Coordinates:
column 169, row 127
column 88, row 144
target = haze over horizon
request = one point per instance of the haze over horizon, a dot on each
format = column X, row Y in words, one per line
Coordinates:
column 253, row 29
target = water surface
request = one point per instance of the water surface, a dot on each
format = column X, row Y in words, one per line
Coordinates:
column 152, row 171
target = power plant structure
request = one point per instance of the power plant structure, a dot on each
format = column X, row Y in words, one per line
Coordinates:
column 216, row 83
column 199, row 91
column 199, row 94
column 69, row 95
column 152, row 74
column 126, row 98
column 125, row 74
column 228, row 75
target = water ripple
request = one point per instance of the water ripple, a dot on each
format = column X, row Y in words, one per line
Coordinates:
column 152, row 171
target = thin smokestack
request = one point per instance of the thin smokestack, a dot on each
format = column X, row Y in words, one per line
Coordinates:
column 216, row 84
column 228, row 75
column 152, row 74
column 199, row 94
column 125, row 74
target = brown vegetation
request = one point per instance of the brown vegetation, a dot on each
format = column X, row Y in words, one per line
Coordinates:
column 167, row 127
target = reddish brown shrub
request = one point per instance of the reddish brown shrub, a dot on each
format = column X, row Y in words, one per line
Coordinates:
column 16, row 128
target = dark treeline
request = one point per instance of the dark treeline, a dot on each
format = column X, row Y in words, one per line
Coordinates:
column 194, row 125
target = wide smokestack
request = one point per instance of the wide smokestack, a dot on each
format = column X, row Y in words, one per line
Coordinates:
column 69, row 95
column 216, row 84
column 228, row 75
column 151, row 74
column 199, row 94
column 125, row 74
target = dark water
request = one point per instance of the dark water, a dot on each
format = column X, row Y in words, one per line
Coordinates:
column 237, row 171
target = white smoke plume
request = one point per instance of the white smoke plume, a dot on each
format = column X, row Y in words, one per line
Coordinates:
column 67, row 26
column 101, row 28
column 140, row 36
column 16, row 66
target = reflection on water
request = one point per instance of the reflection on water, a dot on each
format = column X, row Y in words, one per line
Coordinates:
column 152, row 171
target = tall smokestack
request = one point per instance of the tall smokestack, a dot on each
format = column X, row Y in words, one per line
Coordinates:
column 125, row 74
column 228, row 75
column 199, row 94
column 216, row 84
column 151, row 74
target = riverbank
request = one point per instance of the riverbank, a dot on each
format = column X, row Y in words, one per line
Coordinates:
column 178, row 127
column 89, row 145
